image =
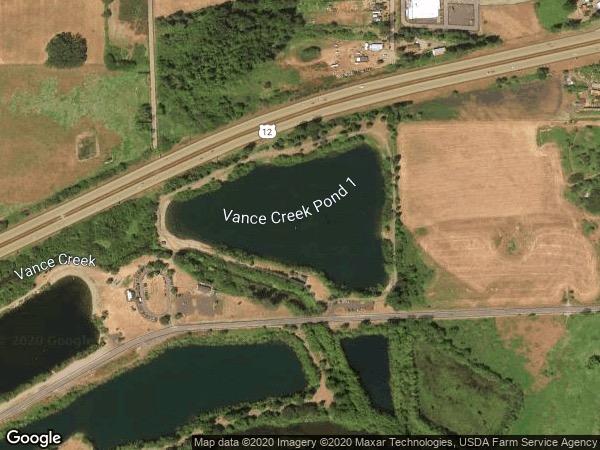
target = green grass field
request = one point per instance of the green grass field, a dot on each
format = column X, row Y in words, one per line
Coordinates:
column 553, row 13
column 456, row 396
column 136, row 13
column 113, row 99
column 569, row 403
column 580, row 161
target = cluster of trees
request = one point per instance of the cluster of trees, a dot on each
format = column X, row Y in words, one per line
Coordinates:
column 66, row 50
column 413, row 274
column 581, row 161
column 114, row 237
column 236, row 37
column 267, row 287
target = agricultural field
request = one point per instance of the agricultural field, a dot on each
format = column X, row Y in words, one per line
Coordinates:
column 45, row 110
column 60, row 126
column 26, row 27
column 511, row 22
column 489, row 208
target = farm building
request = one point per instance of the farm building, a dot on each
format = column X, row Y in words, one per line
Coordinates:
column 422, row 9
column 438, row 51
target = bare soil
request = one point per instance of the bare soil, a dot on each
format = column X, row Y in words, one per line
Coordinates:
column 338, row 58
column 26, row 27
column 494, row 216
column 167, row 7
column 75, row 443
column 533, row 338
column 157, row 297
column 511, row 22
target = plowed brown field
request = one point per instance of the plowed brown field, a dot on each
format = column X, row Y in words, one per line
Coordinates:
column 491, row 204
column 26, row 27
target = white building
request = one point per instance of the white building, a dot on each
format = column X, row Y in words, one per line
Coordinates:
column 422, row 9
column 376, row 47
column 438, row 51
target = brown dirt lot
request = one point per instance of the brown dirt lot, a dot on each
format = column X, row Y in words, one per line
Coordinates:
column 511, row 21
column 340, row 53
column 27, row 26
column 533, row 338
column 491, row 204
column 166, row 7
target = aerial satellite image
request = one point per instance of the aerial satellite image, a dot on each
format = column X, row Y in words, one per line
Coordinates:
column 299, row 224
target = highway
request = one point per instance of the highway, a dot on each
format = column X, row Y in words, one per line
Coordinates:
column 68, row 375
column 337, row 102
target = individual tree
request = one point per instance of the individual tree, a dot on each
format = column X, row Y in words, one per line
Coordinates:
column 66, row 50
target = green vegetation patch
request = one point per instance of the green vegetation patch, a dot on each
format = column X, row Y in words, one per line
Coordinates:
column 413, row 274
column 86, row 147
column 588, row 226
column 135, row 12
column 114, row 238
column 458, row 397
column 269, row 288
column 310, row 53
column 580, row 161
column 200, row 84
column 569, row 403
column 553, row 15
column 111, row 99
column 66, row 50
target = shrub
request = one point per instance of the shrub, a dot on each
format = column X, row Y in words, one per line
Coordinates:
column 309, row 53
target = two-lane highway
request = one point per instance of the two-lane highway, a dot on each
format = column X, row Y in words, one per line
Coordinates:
column 337, row 102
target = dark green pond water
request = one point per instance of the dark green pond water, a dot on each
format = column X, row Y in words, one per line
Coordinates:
column 368, row 356
column 45, row 331
column 342, row 240
column 153, row 400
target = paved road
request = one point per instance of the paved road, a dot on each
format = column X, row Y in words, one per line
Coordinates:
column 328, row 104
column 152, row 58
column 12, row 408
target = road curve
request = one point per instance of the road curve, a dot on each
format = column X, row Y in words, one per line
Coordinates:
column 328, row 104
column 10, row 409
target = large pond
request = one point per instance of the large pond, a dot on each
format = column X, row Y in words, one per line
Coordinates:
column 154, row 399
column 368, row 356
column 45, row 331
column 342, row 240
